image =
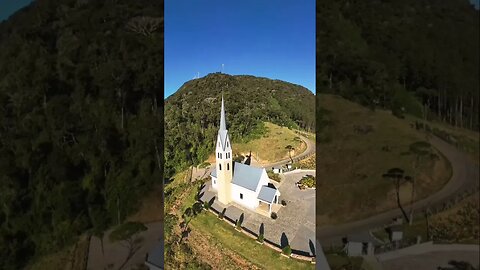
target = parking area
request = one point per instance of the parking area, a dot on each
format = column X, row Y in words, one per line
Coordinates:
column 295, row 223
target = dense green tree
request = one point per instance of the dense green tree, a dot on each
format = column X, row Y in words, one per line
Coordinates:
column 82, row 120
column 418, row 57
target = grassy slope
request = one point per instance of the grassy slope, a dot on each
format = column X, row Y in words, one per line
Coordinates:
column 468, row 140
column 351, row 165
column 219, row 244
column 419, row 226
column 221, row 234
column 270, row 147
column 69, row 258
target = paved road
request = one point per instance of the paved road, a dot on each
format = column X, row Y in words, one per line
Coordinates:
column 429, row 256
column 310, row 150
column 465, row 176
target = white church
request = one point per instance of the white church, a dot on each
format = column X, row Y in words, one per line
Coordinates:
column 236, row 182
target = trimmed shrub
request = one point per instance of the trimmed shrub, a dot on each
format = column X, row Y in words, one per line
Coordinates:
column 287, row 250
column 273, row 215
column 260, row 238
column 238, row 225
column 284, row 203
column 220, row 215
column 206, row 205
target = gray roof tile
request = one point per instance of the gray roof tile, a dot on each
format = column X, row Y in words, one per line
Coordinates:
column 246, row 176
column 267, row 194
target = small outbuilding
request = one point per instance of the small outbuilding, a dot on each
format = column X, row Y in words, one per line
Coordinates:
column 362, row 244
column 395, row 233
column 277, row 170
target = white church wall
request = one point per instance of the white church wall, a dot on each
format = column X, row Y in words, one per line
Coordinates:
column 249, row 197
column 264, row 180
column 214, row 183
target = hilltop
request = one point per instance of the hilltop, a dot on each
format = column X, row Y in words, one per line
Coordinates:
column 192, row 114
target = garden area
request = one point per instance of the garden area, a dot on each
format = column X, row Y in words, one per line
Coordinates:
column 273, row 176
column 308, row 181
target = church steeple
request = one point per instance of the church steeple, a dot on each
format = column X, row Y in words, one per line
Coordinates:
column 224, row 165
column 223, row 125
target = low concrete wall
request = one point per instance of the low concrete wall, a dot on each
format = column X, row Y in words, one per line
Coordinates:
column 425, row 248
column 300, row 171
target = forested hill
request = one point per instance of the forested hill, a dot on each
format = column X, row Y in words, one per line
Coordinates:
column 402, row 53
column 81, row 120
column 192, row 113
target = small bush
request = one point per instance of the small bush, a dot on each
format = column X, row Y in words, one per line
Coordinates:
column 260, row 238
column 287, row 250
column 308, row 181
column 220, row 215
column 273, row 215
column 238, row 225
column 206, row 205
column 273, row 176
column 284, row 203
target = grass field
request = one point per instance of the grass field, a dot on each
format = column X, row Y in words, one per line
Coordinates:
column 223, row 236
column 467, row 140
column 70, row 258
column 357, row 147
column 271, row 147
column 465, row 227
column 152, row 207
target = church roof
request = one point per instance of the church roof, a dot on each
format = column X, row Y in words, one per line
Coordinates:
column 267, row 194
column 246, row 176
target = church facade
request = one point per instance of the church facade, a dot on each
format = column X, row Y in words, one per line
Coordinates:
column 240, row 183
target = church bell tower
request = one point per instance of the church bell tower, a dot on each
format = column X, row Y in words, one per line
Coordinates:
column 224, row 161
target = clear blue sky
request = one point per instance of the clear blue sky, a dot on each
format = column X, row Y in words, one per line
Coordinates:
column 8, row 7
column 273, row 39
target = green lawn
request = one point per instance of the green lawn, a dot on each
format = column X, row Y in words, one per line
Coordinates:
column 226, row 236
column 343, row 262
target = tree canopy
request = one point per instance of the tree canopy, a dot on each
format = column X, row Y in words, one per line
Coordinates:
column 82, row 120
column 417, row 57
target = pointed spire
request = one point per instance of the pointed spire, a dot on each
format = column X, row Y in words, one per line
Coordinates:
column 223, row 125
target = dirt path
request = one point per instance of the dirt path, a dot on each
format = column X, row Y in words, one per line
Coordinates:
column 465, row 176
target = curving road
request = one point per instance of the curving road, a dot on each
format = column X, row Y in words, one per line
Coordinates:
column 310, row 150
column 200, row 173
column 465, row 176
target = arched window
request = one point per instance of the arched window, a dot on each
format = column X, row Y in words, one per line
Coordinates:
column 228, row 166
column 219, row 167
column 220, row 155
column 227, row 143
